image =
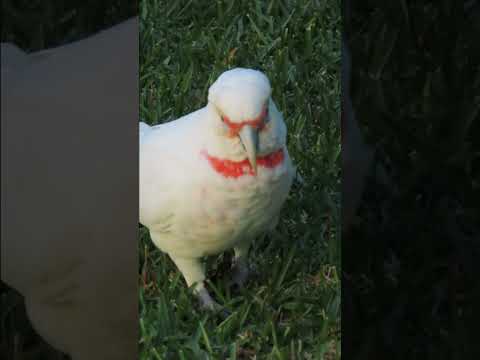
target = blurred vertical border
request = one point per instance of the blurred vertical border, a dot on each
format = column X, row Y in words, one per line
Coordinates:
column 411, row 261
column 34, row 25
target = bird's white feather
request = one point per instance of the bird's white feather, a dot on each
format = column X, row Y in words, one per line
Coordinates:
column 189, row 208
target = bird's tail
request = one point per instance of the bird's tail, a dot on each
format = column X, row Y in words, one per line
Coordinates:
column 143, row 130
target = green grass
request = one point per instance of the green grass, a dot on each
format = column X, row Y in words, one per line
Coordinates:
column 291, row 307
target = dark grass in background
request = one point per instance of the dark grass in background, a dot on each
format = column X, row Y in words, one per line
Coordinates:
column 410, row 264
column 32, row 26
column 291, row 307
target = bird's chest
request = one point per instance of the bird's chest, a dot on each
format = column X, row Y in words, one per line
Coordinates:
column 236, row 210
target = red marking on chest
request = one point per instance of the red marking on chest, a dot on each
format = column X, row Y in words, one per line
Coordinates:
column 234, row 169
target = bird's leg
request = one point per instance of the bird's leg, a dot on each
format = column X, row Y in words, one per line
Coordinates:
column 240, row 268
column 193, row 271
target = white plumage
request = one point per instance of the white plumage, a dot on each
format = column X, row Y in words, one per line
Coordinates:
column 215, row 178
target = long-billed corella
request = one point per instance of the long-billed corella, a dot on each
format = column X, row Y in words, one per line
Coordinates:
column 216, row 178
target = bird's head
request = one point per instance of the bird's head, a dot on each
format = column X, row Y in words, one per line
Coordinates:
column 245, row 116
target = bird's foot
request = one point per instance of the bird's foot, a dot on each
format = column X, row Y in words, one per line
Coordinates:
column 240, row 272
column 208, row 304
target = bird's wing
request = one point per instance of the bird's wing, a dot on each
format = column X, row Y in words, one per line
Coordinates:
column 282, row 131
column 167, row 163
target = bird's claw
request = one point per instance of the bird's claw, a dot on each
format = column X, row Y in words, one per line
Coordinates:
column 208, row 304
column 215, row 308
column 239, row 277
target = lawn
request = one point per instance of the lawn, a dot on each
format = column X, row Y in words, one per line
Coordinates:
column 290, row 309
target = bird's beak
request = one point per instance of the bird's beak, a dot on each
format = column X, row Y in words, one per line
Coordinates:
column 249, row 138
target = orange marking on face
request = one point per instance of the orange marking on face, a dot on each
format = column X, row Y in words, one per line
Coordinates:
column 235, row 127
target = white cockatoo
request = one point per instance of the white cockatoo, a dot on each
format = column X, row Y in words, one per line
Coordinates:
column 216, row 178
